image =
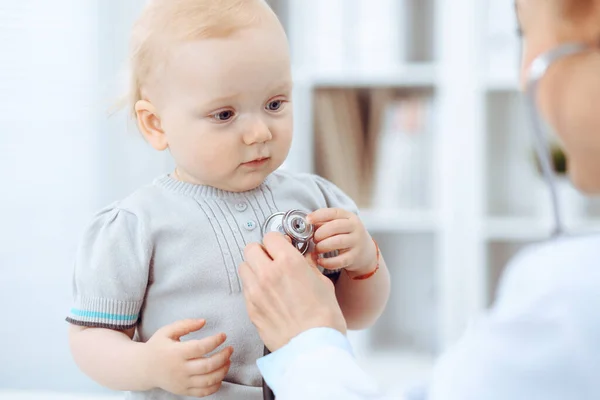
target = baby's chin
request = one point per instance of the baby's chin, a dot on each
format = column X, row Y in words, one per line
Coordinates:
column 249, row 181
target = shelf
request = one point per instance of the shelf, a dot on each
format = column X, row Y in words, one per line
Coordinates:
column 405, row 75
column 522, row 229
column 517, row 229
column 398, row 371
column 505, row 84
column 399, row 221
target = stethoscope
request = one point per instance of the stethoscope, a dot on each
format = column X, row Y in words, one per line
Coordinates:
column 537, row 71
column 294, row 224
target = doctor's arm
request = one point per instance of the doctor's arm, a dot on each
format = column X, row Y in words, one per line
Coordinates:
column 317, row 364
column 539, row 340
column 296, row 313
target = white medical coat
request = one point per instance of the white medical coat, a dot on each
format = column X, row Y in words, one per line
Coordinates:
column 540, row 340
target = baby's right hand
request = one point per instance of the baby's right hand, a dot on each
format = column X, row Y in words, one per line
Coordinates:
column 180, row 367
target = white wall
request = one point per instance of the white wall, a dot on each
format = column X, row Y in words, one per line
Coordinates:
column 60, row 160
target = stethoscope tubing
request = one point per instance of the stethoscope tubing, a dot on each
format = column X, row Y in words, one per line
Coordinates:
column 537, row 71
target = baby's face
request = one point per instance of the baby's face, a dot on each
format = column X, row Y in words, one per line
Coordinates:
column 225, row 107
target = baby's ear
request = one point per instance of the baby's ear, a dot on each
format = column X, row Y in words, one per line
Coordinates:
column 150, row 125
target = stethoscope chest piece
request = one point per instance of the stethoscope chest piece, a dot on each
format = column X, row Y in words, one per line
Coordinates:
column 292, row 223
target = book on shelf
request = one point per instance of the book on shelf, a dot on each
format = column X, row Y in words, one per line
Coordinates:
column 403, row 167
column 375, row 146
column 338, row 139
column 378, row 101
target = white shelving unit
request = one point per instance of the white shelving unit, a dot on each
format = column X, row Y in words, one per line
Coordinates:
column 507, row 229
column 445, row 262
column 399, row 221
column 412, row 75
column 516, row 229
column 502, row 85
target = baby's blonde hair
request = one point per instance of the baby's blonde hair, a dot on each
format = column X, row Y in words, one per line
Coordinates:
column 167, row 22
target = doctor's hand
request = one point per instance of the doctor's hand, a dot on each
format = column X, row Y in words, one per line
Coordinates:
column 285, row 292
column 342, row 230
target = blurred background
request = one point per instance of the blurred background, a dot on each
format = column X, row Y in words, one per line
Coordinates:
column 410, row 106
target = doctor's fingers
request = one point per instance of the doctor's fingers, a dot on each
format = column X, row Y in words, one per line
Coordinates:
column 279, row 248
column 256, row 257
column 247, row 276
column 312, row 257
column 256, row 295
column 265, row 270
column 254, row 287
column 250, row 287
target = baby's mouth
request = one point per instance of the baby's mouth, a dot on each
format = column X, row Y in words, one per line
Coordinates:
column 257, row 162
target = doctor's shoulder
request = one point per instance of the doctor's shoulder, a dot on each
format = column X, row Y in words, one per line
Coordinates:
column 564, row 268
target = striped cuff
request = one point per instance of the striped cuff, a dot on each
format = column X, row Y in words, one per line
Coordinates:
column 105, row 313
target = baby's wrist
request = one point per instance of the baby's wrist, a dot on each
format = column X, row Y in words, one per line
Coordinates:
column 368, row 267
column 147, row 366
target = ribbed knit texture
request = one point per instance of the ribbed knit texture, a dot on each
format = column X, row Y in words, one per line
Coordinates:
column 171, row 250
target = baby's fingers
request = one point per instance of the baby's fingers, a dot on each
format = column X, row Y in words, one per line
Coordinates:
column 199, row 348
column 337, row 242
column 344, row 260
column 332, row 228
column 206, row 365
column 211, row 379
column 328, row 214
column 203, row 392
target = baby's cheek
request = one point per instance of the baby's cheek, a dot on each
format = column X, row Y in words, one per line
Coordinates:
column 211, row 161
column 218, row 159
column 283, row 135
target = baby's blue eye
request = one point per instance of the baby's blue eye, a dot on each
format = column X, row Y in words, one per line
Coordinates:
column 223, row 115
column 274, row 105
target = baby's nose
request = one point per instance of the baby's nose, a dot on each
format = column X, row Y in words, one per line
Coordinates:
column 257, row 133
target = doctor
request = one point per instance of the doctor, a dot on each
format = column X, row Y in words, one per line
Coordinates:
column 541, row 339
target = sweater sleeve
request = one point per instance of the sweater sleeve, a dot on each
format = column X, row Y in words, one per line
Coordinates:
column 334, row 196
column 111, row 271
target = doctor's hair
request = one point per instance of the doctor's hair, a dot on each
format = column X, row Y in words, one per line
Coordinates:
column 164, row 23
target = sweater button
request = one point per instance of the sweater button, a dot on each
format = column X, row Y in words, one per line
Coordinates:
column 241, row 206
column 250, row 225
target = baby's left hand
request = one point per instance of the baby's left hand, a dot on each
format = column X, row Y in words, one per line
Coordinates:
column 338, row 229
